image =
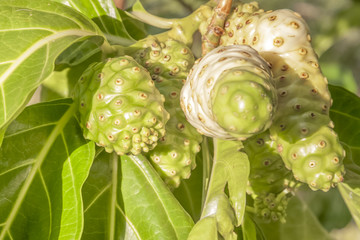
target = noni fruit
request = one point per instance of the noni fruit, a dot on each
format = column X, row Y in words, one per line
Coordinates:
column 302, row 128
column 119, row 106
column 229, row 93
column 169, row 63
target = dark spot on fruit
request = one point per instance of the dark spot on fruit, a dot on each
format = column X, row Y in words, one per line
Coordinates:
column 272, row 18
column 304, row 75
column 312, row 164
column 294, row 25
column 314, row 91
column 260, row 141
column 266, row 162
column 304, row 131
column 240, row 25
column 322, row 144
column 302, row 51
column 100, row 76
column 284, row 68
column 278, row 41
column 297, row 107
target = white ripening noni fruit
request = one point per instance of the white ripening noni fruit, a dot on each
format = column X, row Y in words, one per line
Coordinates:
column 229, row 93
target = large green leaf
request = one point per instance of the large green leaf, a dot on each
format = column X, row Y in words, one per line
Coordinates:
column 126, row 199
column 300, row 224
column 60, row 83
column 33, row 34
column 75, row 171
column 40, row 178
column 105, row 14
column 226, row 193
column 345, row 113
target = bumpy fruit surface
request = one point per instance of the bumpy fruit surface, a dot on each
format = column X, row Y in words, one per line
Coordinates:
column 169, row 63
column 271, row 207
column 170, row 59
column 269, row 181
column 229, row 93
column 119, row 106
column 268, row 173
column 302, row 128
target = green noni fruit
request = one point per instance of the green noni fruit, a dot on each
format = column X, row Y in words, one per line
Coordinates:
column 169, row 63
column 119, row 106
column 302, row 128
column 270, row 182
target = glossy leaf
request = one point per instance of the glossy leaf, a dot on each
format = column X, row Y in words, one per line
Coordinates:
column 33, row 34
column 75, row 171
column 60, row 83
column 79, row 52
column 205, row 229
column 229, row 175
column 126, row 199
column 346, row 118
column 105, row 14
column 329, row 207
column 248, row 229
column 34, row 159
column 345, row 113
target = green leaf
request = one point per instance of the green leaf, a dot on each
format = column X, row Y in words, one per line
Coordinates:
column 60, row 84
column 351, row 195
column 248, row 228
column 125, row 198
column 79, row 52
column 300, row 224
column 35, row 147
column 205, row 229
column 328, row 207
column 229, row 175
column 134, row 27
column 105, row 14
column 33, row 34
column 75, row 171
column 346, row 118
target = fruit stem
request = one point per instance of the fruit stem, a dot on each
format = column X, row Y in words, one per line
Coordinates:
column 181, row 29
column 250, row 209
column 211, row 38
column 206, row 168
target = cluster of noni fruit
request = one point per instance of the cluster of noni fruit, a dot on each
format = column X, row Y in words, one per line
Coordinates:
column 261, row 85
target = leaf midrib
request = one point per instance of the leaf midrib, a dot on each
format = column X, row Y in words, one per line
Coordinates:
column 135, row 160
column 26, row 54
column 38, row 162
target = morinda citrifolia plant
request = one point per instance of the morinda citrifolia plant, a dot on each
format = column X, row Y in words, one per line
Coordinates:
column 155, row 136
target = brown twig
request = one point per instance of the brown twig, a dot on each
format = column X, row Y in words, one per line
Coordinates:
column 211, row 38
